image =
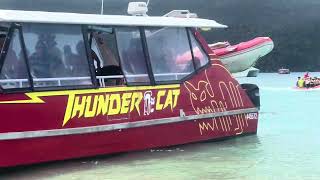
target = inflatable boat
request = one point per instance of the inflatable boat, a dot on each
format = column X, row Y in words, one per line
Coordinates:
column 305, row 88
column 242, row 56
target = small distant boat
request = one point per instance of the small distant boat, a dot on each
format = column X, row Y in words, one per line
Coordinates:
column 242, row 56
column 308, row 82
column 305, row 88
column 283, row 71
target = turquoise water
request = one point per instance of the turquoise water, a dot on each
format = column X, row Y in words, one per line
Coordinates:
column 287, row 146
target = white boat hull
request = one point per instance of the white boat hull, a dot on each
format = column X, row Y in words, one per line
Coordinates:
column 243, row 60
column 251, row 72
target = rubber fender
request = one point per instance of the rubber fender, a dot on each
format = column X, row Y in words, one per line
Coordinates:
column 252, row 91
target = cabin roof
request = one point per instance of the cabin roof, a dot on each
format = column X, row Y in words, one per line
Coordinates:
column 97, row 19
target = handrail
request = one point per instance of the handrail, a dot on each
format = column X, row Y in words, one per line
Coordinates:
column 101, row 79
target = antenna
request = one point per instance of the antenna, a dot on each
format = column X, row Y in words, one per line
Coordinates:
column 148, row 2
column 102, row 6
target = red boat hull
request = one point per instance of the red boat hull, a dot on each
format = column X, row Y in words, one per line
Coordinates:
column 30, row 151
column 58, row 125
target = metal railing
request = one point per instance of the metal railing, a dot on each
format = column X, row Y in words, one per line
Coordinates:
column 102, row 80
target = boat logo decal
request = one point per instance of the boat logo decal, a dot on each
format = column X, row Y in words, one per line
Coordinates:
column 110, row 104
column 142, row 100
column 149, row 102
column 204, row 100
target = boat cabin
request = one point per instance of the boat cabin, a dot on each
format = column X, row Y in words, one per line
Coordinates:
column 179, row 93
column 52, row 51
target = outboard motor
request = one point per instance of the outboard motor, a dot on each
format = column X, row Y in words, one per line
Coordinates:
column 252, row 91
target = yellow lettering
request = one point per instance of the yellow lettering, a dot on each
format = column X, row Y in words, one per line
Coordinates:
column 67, row 115
column 160, row 94
column 176, row 94
column 136, row 101
column 79, row 107
column 206, row 126
column 115, row 104
column 168, row 100
column 125, row 103
column 103, row 104
column 91, row 112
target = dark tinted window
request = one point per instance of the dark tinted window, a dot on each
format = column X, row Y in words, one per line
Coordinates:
column 132, row 58
column 57, row 55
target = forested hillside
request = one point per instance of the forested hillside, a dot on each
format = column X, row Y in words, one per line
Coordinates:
column 294, row 25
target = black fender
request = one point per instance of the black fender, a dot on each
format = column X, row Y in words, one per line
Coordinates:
column 252, row 91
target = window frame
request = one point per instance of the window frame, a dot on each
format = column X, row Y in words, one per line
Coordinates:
column 140, row 29
column 145, row 49
column 191, row 32
column 89, row 31
column 70, row 87
column 5, row 48
column 114, row 30
column 12, row 29
column 187, row 77
column 87, row 43
column 86, row 30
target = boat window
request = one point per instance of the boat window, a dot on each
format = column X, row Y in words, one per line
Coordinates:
column 200, row 57
column 132, row 57
column 170, row 53
column 14, row 70
column 4, row 30
column 96, row 56
column 105, row 55
column 57, row 55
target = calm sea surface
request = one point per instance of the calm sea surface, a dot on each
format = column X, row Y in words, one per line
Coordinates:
column 287, row 146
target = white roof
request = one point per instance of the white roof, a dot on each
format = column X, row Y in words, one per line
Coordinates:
column 96, row 19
